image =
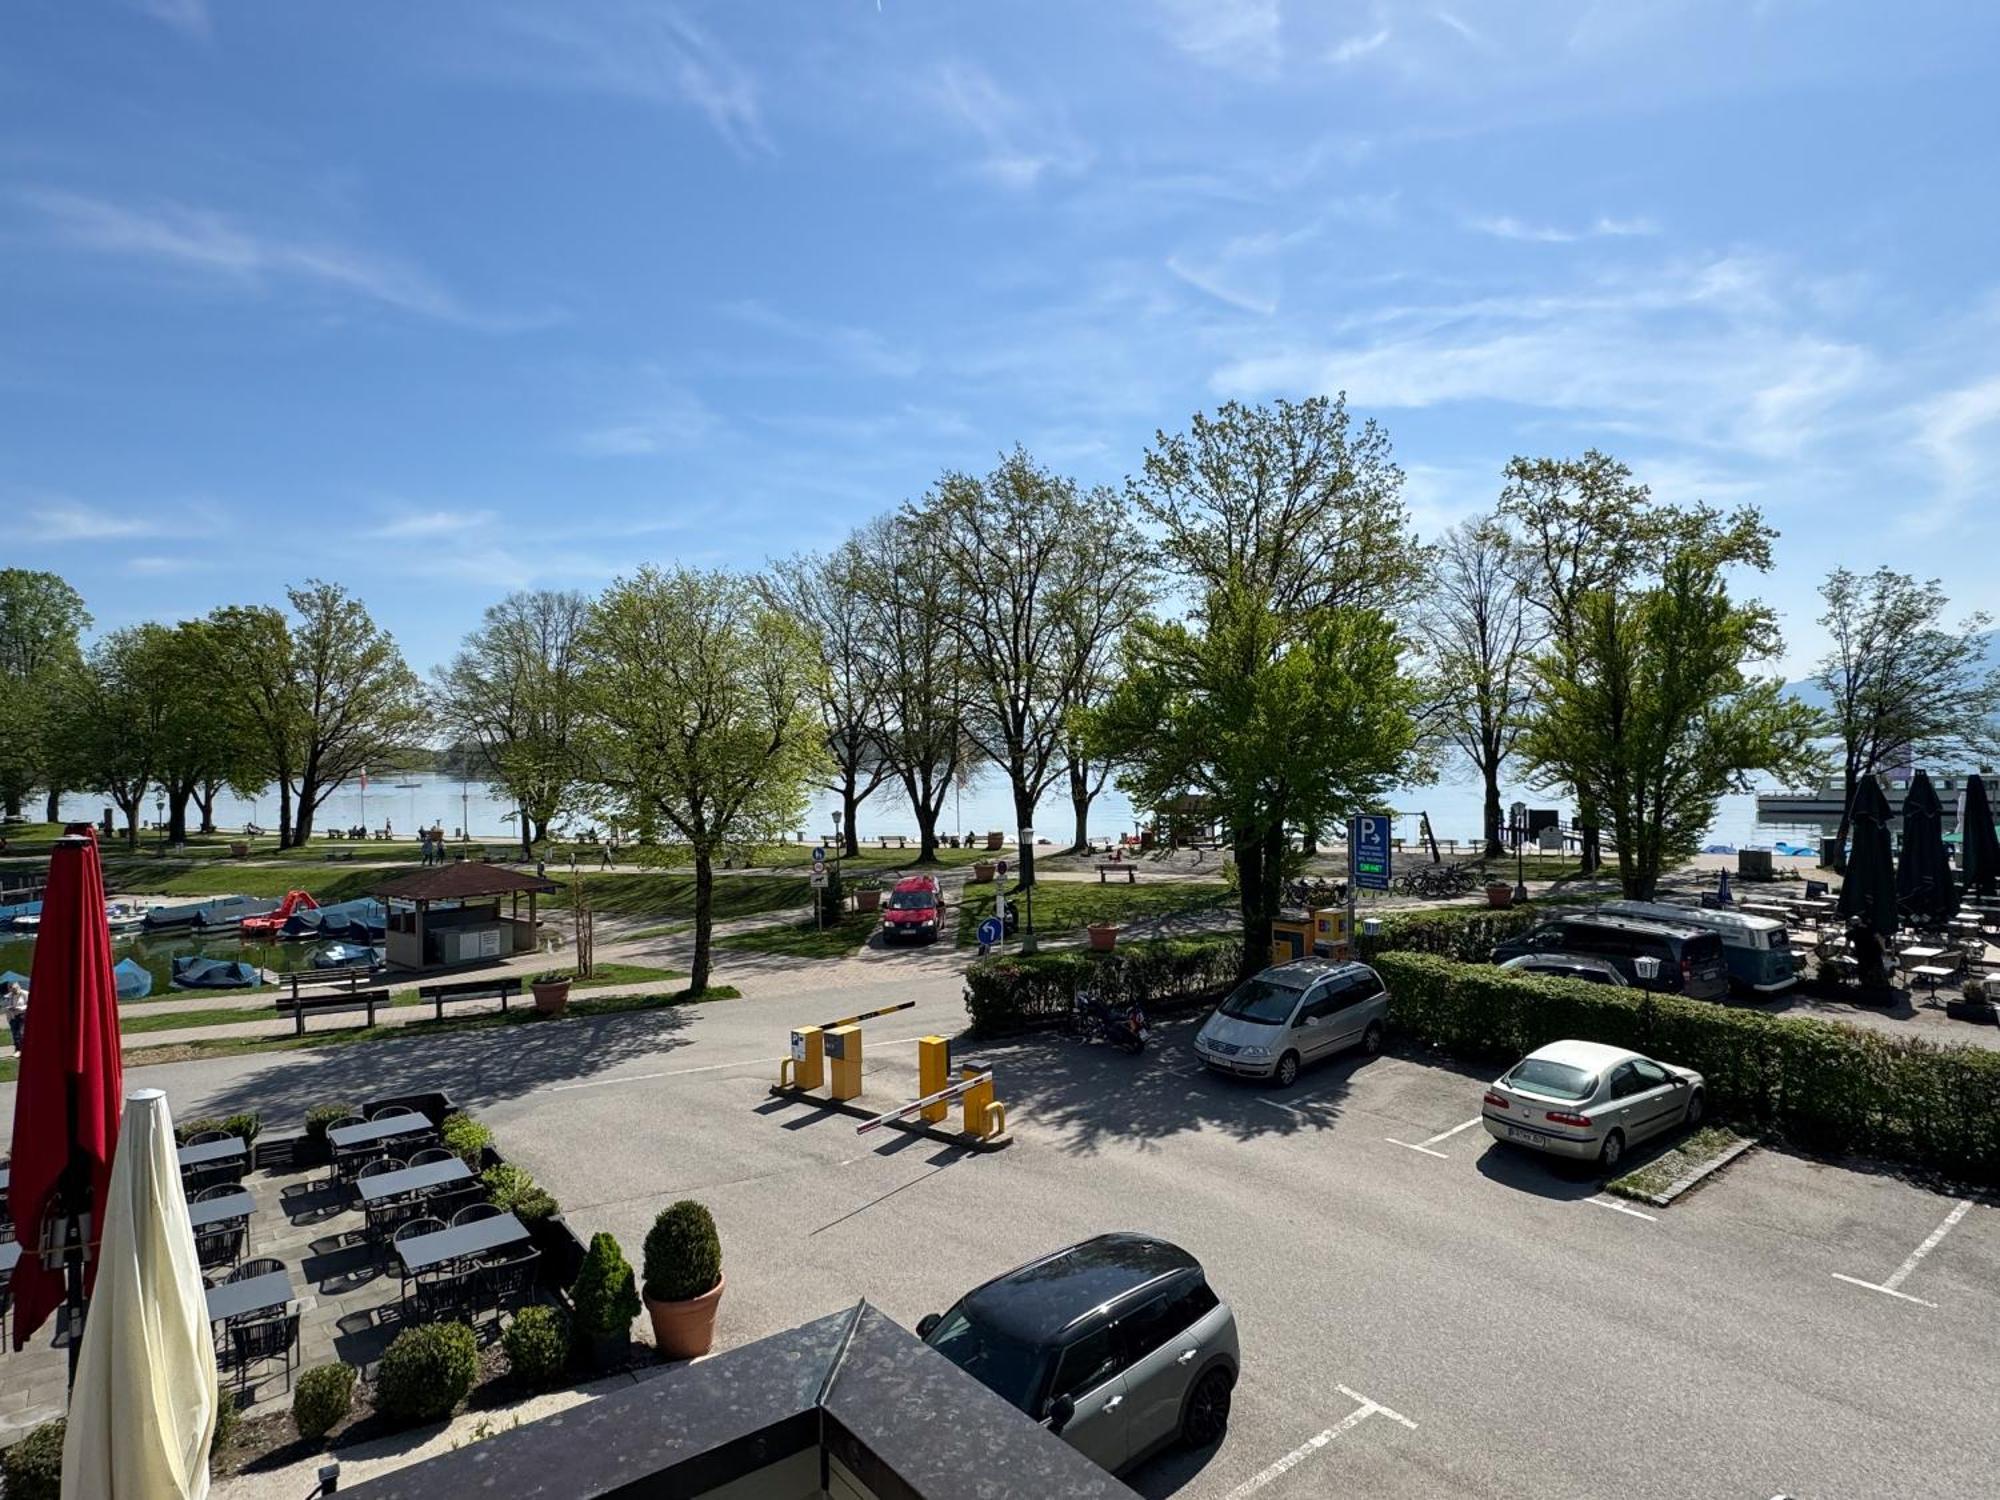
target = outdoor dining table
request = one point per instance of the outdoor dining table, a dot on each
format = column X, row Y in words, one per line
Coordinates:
column 230, row 1149
column 432, row 1174
column 237, row 1205
column 256, row 1294
column 350, row 1136
column 462, row 1241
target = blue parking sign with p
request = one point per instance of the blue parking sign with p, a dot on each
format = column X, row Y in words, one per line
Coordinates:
column 1368, row 850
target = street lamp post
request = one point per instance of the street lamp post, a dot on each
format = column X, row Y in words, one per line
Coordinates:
column 1025, row 860
column 1519, row 813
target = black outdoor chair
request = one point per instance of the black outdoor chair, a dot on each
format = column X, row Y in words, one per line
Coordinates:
column 203, row 1137
column 219, row 1244
column 391, row 1112
column 254, row 1340
column 508, row 1283
column 378, row 1167
column 262, row 1265
column 447, row 1293
column 472, row 1213
column 430, row 1154
column 409, row 1229
column 345, row 1162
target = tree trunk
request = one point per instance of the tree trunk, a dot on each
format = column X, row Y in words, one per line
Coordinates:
column 177, row 813
column 284, row 811
column 53, row 806
column 850, row 840
column 204, row 798
column 131, row 811
column 1495, row 849
column 527, row 832
column 13, row 807
column 1024, row 817
column 704, row 916
column 302, row 822
column 927, row 822
column 1080, row 798
column 1250, row 898
column 1593, row 844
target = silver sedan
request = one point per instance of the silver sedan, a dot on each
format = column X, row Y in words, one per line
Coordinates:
column 1590, row 1102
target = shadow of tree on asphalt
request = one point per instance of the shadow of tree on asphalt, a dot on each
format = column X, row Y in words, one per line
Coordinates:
column 1098, row 1096
column 476, row 1067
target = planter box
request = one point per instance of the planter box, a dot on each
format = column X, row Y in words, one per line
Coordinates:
column 562, row 1253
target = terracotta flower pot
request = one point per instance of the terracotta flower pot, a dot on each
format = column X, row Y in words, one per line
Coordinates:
column 996, row 840
column 867, row 900
column 1499, row 894
column 551, row 996
column 1104, row 936
column 982, row 871
column 239, row 850
column 682, row 1330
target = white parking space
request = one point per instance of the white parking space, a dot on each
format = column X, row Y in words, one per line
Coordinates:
column 1363, row 1410
column 1891, row 1284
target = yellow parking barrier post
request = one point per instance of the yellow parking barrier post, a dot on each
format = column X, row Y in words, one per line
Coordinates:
column 978, row 1102
column 806, row 1067
column 843, row 1051
column 933, row 1075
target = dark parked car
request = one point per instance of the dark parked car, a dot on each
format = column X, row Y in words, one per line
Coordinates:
column 1690, row 962
column 1118, row 1344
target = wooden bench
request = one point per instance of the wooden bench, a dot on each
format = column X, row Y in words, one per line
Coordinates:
column 1131, row 872
column 351, row 975
column 298, row 1007
column 441, row 995
column 902, row 840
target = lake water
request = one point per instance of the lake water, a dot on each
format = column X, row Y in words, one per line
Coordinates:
column 411, row 802
column 155, row 953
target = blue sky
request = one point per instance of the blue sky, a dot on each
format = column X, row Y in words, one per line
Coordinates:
column 440, row 300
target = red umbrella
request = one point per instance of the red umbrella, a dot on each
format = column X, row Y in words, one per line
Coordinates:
column 71, row 1086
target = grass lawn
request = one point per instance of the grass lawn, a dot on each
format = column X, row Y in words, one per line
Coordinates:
column 658, row 894
column 804, row 939
column 1661, row 1173
column 124, row 875
column 872, row 858
column 1062, row 907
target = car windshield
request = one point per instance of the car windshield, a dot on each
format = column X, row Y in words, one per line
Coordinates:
column 1557, row 1080
column 911, row 901
column 1011, row 1370
column 1261, row 1000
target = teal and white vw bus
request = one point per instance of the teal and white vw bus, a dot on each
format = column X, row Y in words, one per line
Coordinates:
column 1757, row 949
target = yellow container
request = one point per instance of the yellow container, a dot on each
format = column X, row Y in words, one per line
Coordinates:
column 933, row 1075
column 808, row 1058
column 1332, row 936
column 1290, row 940
column 843, row 1055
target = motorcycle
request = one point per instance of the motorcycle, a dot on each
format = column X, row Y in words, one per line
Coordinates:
column 1091, row 1019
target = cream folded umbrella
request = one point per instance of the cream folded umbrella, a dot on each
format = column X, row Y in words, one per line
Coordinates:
column 142, row 1413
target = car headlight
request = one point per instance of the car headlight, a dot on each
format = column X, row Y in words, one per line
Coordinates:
column 1253, row 1051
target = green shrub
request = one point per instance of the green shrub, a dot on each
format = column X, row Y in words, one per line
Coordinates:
column 519, row 1194
column 683, row 1253
column 324, row 1396
column 465, row 1137
column 1816, row 1084
column 227, row 1417
column 426, row 1372
column 605, row 1297
column 33, row 1466
column 537, row 1346
column 552, row 976
column 246, row 1126
column 1466, row 933
column 320, row 1116
column 1010, row 993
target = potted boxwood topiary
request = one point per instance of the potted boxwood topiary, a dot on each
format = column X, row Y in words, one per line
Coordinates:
column 551, row 989
column 683, row 1279
column 605, row 1303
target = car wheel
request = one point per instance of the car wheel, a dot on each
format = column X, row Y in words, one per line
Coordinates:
column 1207, row 1416
column 1287, row 1072
column 1612, row 1151
column 1697, row 1107
column 1371, row 1039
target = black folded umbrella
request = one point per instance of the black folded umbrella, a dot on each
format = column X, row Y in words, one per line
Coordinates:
column 1925, row 886
column 1868, row 889
column 1979, row 845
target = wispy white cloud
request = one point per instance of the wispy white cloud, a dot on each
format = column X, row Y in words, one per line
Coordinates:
column 673, row 420
column 839, row 343
column 57, row 520
column 190, row 16
column 203, row 240
column 1958, row 433
column 433, row 524
column 1241, row 35
column 1354, row 48
column 161, row 567
column 1462, row 28
column 1507, row 227
column 651, row 52
column 1022, row 143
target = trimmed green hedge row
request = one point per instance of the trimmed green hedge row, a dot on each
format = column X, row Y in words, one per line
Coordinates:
column 1466, row 933
column 1819, row 1085
column 1010, row 993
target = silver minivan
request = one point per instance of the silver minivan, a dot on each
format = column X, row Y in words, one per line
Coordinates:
column 1276, row 1022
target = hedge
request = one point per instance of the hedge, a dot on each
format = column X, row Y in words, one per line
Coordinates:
column 1011, row 993
column 1818, row 1085
column 1466, row 933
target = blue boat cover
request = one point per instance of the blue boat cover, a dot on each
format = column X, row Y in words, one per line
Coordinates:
column 192, row 972
column 135, row 981
column 13, row 976
column 360, row 921
column 340, row 955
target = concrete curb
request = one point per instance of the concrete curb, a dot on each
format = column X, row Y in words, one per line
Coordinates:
column 912, row 1127
column 1687, row 1180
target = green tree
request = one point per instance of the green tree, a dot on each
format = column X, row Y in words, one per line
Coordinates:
column 513, row 696
column 1900, row 683
column 250, row 647
column 112, row 730
column 1478, row 636
column 1648, row 701
column 702, row 702
column 1281, row 724
column 1046, row 575
column 361, row 705
column 207, row 738
column 41, row 619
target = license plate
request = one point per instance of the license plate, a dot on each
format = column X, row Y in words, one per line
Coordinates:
column 1532, row 1137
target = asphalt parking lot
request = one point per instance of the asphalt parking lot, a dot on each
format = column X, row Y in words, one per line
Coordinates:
column 1423, row 1312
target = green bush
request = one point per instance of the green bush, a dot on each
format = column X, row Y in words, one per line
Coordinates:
column 321, row 1116
column 1010, row 993
column 33, row 1466
column 537, row 1346
column 324, row 1396
column 426, row 1372
column 227, row 1417
column 246, row 1126
column 1466, row 933
column 465, row 1137
column 683, row 1253
column 519, row 1194
column 1818, row 1085
column 605, row 1296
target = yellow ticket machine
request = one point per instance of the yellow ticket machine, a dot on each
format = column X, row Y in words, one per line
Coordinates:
column 843, row 1053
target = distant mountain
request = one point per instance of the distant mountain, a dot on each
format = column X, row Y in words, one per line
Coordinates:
column 1808, row 692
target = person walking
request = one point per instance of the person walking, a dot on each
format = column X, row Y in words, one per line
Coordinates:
column 17, row 1012
column 424, row 837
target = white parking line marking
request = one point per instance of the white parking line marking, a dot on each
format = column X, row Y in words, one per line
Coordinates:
column 1915, row 1258
column 1364, row 1409
column 1285, row 1107
column 1430, row 1141
column 1621, row 1208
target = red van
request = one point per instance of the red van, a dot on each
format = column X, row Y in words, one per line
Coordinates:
column 914, row 910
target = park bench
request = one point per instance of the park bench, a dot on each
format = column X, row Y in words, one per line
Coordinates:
column 298, row 1007
column 353, row 976
column 442, row 995
column 902, row 841
column 332, row 854
column 1130, row 872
